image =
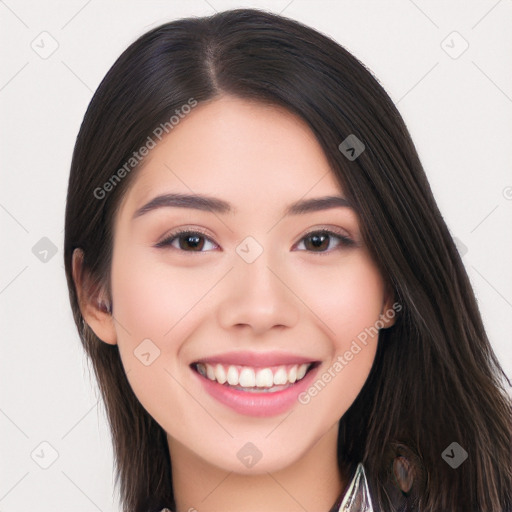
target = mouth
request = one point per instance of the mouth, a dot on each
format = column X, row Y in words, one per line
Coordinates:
column 255, row 385
column 254, row 380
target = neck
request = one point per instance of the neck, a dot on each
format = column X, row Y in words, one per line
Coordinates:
column 313, row 482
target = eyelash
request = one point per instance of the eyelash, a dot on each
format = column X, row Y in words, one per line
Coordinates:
column 345, row 242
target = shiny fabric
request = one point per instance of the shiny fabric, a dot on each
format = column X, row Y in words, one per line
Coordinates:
column 357, row 496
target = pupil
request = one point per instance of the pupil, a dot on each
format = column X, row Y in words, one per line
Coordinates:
column 318, row 240
column 193, row 241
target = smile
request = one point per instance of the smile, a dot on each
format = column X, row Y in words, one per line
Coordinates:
column 255, row 384
column 249, row 379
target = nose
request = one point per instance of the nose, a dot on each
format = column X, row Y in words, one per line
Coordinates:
column 257, row 298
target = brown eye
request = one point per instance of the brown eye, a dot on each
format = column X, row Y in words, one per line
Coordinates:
column 188, row 241
column 194, row 242
column 321, row 241
column 318, row 242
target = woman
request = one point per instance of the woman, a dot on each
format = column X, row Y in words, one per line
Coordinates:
column 322, row 348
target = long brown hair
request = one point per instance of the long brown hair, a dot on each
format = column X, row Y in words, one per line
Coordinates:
column 435, row 379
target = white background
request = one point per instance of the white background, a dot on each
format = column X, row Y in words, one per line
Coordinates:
column 459, row 112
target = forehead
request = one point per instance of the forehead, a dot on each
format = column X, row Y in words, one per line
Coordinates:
column 245, row 151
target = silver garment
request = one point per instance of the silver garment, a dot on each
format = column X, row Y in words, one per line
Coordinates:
column 357, row 498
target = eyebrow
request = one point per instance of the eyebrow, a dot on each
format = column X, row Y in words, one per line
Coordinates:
column 212, row 204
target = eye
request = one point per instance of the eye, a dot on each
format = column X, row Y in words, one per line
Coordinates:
column 187, row 240
column 320, row 241
column 315, row 241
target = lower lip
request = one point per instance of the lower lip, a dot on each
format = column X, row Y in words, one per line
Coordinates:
column 257, row 404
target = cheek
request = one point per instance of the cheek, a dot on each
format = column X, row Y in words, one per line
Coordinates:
column 149, row 297
column 348, row 301
column 156, row 308
column 150, row 309
column 347, row 297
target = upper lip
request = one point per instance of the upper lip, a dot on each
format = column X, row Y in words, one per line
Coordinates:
column 256, row 359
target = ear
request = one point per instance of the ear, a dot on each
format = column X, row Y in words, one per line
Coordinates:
column 93, row 301
column 388, row 312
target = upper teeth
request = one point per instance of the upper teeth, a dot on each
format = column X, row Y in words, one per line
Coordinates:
column 248, row 377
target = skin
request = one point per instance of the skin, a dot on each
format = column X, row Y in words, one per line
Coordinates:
column 191, row 305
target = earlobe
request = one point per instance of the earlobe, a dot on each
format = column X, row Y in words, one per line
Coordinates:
column 95, row 307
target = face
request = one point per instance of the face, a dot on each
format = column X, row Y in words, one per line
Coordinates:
column 250, row 321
